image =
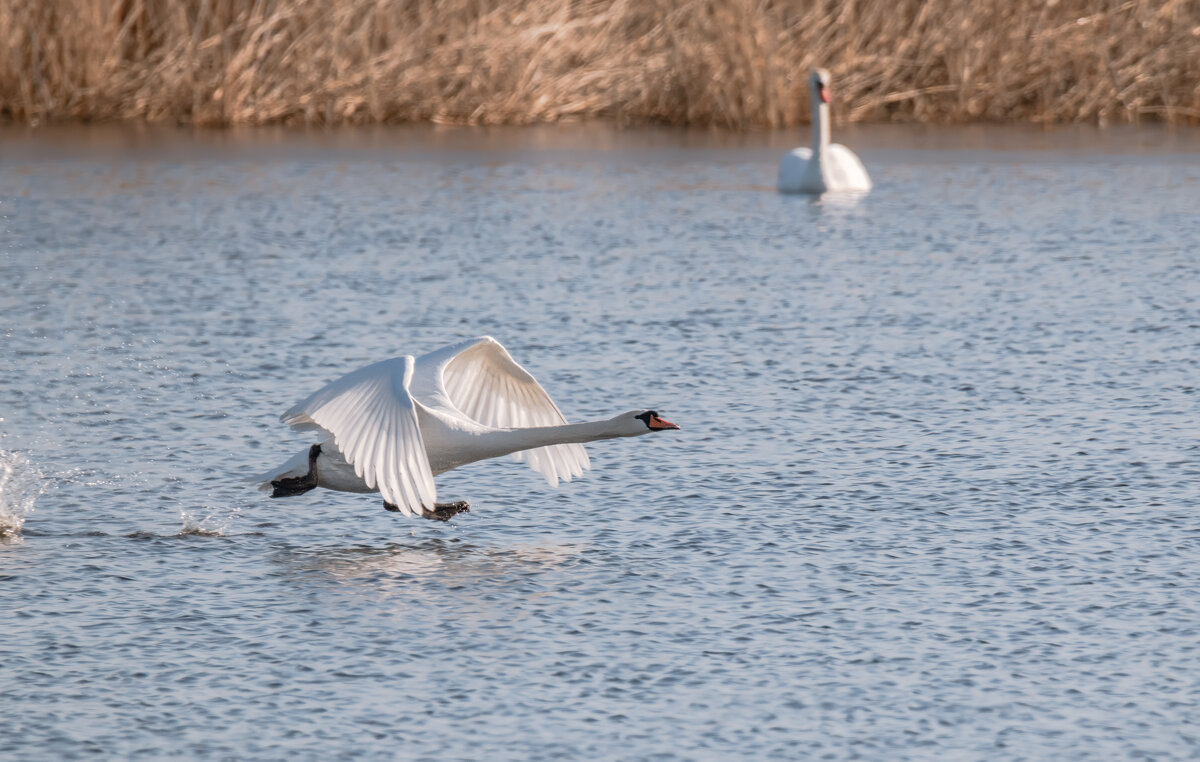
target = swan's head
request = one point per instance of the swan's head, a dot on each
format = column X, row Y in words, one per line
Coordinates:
column 818, row 82
column 638, row 422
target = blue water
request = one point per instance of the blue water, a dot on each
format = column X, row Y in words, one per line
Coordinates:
column 934, row 497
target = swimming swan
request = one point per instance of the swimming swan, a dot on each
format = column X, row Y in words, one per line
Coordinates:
column 392, row 426
column 826, row 166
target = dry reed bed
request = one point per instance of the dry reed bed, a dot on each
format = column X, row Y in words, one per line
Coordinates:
column 731, row 63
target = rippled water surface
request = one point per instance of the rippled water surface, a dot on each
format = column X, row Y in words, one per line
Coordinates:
column 935, row 495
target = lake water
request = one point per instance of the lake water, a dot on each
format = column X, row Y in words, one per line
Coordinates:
column 934, row 497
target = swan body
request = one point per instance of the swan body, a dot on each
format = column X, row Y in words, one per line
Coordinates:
column 392, row 426
column 826, row 166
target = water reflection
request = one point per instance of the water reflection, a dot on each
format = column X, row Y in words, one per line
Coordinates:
column 843, row 200
column 449, row 561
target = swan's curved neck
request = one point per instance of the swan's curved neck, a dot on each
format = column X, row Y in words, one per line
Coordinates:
column 820, row 125
column 506, row 441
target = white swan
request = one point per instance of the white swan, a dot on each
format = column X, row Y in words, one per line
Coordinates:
column 826, row 166
column 392, row 426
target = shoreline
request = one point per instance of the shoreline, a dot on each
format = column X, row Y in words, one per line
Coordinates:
column 581, row 140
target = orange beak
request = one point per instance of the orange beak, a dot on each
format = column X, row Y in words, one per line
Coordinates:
column 824, row 94
column 659, row 424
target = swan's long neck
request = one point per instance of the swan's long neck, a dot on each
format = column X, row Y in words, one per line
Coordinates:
column 498, row 442
column 820, row 125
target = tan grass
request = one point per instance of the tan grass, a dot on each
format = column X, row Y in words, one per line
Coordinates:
column 730, row 63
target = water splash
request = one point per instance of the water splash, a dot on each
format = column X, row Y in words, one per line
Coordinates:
column 21, row 484
column 214, row 523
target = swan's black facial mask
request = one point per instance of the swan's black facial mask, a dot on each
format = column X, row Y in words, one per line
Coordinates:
column 654, row 423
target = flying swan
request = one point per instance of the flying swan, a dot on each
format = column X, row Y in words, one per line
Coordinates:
column 826, row 166
column 392, row 426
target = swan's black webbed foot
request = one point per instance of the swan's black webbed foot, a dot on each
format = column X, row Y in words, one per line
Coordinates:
column 447, row 511
column 440, row 512
column 298, row 485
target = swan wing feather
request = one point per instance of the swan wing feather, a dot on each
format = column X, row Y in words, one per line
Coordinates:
column 373, row 421
column 846, row 170
column 482, row 380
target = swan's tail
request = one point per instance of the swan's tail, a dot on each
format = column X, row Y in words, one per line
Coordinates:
column 296, row 466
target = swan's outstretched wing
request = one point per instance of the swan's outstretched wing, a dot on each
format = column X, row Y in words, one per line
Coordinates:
column 373, row 421
column 481, row 380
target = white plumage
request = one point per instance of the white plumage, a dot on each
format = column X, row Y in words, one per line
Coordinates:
column 372, row 420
